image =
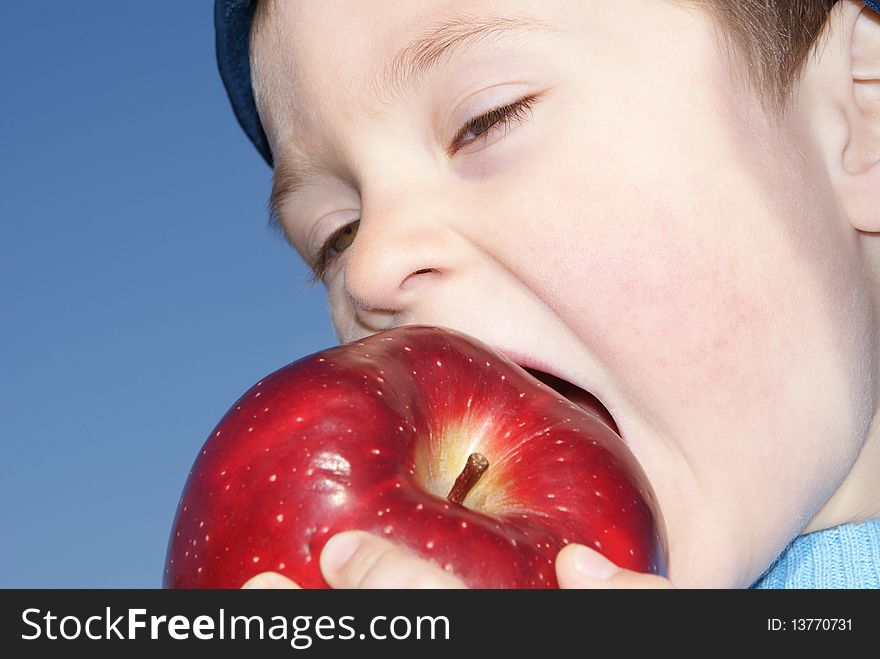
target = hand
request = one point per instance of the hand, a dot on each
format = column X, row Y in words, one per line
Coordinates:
column 356, row 559
column 578, row 566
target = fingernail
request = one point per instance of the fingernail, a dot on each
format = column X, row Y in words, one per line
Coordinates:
column 339, row 549
column 594, row 565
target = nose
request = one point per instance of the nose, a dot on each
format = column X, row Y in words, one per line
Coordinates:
column 403, row 252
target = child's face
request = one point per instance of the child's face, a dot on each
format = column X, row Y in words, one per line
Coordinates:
column 642, row 231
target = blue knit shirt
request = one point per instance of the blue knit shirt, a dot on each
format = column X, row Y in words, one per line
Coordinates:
column 846, row 556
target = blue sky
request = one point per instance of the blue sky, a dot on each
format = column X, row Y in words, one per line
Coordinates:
column 141, row 291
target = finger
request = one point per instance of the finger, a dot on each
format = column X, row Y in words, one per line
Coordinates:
column 269, row 581
column 355, row 559
column 578, row 566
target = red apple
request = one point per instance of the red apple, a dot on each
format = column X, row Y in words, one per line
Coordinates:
column 376, row 435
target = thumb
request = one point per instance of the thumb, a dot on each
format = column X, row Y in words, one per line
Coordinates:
column 578, row 566
column 269, row 581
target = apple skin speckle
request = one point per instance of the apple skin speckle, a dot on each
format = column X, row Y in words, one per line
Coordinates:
column 443, row 394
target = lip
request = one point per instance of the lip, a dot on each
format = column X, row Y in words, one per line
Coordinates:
column 532, row 365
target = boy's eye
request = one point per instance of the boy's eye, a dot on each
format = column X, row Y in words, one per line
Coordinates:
column 492, row 125
column 338, row 242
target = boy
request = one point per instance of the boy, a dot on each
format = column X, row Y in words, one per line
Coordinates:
column 673, row 204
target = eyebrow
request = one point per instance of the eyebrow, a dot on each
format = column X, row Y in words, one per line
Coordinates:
column 405, row 70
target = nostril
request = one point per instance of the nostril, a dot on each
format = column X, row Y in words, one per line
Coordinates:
column 424, row 271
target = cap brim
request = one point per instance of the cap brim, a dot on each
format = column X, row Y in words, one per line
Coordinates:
column 232, row 26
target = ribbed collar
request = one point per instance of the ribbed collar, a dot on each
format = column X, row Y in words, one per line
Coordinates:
column 846, row 556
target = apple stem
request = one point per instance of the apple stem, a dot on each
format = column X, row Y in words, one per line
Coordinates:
column 473, row 469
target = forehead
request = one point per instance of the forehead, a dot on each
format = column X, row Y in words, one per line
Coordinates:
column 338, row 59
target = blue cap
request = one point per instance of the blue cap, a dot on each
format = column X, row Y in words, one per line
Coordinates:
column 232, row 25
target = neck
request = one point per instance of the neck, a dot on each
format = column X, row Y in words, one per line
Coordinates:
column 858, row 497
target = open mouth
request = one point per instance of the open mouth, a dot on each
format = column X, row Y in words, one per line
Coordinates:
column 576, row 395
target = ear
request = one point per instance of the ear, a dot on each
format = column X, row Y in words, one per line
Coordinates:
column 841, row 86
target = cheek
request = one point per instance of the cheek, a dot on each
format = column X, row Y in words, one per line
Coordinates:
column 686, row 317
column 680, row 262
column 714, row 324
column 682, row 313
